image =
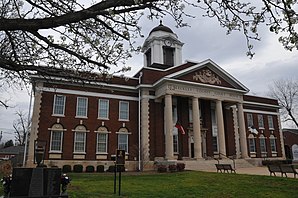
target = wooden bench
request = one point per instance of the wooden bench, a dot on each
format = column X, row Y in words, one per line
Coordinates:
column 224, row 167
column 288, row 169
column 274, row 169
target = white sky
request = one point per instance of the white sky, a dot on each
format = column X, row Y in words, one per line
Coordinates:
column 203, row 40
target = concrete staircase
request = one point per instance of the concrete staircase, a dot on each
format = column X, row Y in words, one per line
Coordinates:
column 209, row 164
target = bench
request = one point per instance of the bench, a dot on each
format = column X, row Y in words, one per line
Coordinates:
column 273, row 169
column 224, row 168
column 288, row 169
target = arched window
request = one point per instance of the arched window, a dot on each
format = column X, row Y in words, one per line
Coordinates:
column 56, row 138
column 123, row 139
column 80, row 139
column 263, row 144
column 252, row 143
column 102, row 140
column 273, row 144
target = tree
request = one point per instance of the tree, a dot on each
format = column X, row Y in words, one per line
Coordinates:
column 21, row 128
column 286, row 92
column 9, row 143
column 51, row 37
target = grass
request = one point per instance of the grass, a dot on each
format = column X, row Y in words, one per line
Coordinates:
column 187, row 184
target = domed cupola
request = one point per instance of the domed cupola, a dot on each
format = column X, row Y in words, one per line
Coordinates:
column 162, row 49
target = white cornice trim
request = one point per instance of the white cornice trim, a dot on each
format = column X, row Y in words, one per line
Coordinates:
column 87, row 93
column 200, row 84
column 260, row 112
column 261, row 104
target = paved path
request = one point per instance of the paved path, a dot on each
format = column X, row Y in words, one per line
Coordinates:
column 256, row 171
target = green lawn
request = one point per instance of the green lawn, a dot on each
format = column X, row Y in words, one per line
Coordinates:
column 182, row 184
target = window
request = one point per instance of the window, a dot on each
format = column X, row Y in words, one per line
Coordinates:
column 260, row 121
column 123, row 110
column 123, row 142
column 56, row 138
column 168, row 56
column 82, row 104
column 79, row 142
column 270, row 122
column 102, row 140
column 250, row 121
column 252, row 143
column 103, row 109
column 273, row 143
column 148, row 57
column 80, row 139
column 59, row 105
column 263, row 144
column 175, row 143
column 123, row 139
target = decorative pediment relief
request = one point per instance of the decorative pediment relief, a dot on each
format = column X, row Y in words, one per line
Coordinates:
column 206, row 76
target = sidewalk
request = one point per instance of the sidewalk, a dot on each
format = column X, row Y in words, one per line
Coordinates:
column 259, row 171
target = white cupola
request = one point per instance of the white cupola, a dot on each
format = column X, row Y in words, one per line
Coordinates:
column 162, row 49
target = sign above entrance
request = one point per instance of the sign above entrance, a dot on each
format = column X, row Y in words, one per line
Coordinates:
column 200, row 92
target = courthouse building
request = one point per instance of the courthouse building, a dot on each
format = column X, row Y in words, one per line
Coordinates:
column 169, row 110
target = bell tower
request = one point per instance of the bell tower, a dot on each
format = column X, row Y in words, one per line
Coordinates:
column 162, row 49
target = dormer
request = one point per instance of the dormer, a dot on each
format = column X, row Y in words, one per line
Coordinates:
column 162, row 49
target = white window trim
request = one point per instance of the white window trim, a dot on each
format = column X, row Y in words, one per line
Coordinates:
column 61, row 142
column 120, row 119
column 103, row 118
column 59, row 115
column 80, row 116
column 74, row 145
column 102, row 132
column 124, row 133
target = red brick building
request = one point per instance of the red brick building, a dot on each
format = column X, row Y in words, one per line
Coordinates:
column 146, row 115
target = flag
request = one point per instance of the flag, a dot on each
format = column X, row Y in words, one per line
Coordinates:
column 252, row 129
column 180, row 128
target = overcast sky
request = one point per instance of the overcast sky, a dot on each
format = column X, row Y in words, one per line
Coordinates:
column 204, row 40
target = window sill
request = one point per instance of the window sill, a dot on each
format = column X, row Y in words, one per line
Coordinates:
column 58, row 115
column 58, row 152
column 122, row 120
column 99, row 118
column 81, row 117
column 79, row 153
column 101, row 153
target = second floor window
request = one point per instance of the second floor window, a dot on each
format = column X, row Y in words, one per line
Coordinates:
column 123, row 110
column 250, row 121
column 82, row 104
column 260, row 121
column 103, row 109
column 59, row 105
column 270, row 122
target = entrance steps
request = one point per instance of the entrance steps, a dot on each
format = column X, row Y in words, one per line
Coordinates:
column 209, row 164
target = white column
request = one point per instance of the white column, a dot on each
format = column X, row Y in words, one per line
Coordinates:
column 169, row 128
column 242, row 132
column 145, row 126
column 282, row 144
column 220, row 128
column 196, row 128
column 236, row 132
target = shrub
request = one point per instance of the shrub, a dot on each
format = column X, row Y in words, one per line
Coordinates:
column 100, row 168
column 161, row 168
column 78, row 168
column 89, row 169
column 66, row 168
column 172, row 167
column 180, row 166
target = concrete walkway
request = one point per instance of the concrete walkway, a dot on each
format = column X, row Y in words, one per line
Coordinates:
column 257, row 171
